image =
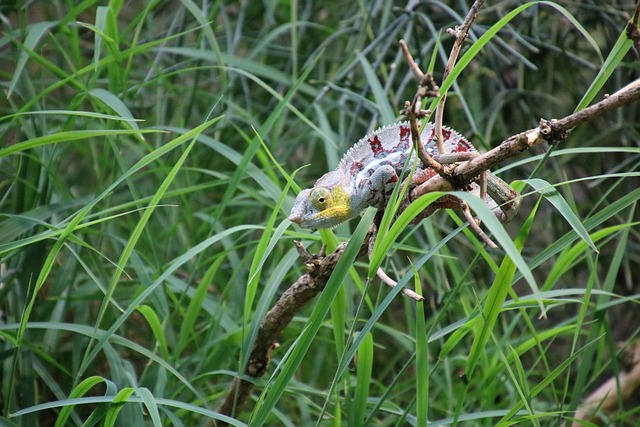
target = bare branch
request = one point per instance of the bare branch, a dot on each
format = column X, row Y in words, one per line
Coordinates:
column 633, row 32
column 412, row 64
column 319, row 269
column 380, row 272
column 392, row 283
column 549, row 130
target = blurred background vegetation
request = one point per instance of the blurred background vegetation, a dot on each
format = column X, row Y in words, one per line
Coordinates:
column 137, row 198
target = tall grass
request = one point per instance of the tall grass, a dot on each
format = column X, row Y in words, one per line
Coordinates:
column 143, row 231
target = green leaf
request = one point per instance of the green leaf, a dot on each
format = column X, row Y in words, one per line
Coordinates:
column 364, row 368
column 384, row 242
column 617, row 54
column 78, row 391
column 492, row 306
column 34, row 33
column 551, row 194
column 156, row 327
column 68, row 136
column 387, row 115
column 118, row 403
column 115, row 104
column 422, row 358
column 151, row 404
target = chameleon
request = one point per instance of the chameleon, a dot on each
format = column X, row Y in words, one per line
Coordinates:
column 369, row 171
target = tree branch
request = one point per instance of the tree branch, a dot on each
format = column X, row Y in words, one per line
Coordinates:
column 552, row 131
column 292, row 301
column 319, row 268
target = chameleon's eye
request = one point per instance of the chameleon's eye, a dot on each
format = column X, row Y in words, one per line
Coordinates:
column 321, row 198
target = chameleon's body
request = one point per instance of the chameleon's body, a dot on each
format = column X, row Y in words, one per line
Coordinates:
column 369, row 171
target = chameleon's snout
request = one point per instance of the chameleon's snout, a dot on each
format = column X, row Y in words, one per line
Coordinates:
column 295, row 217
column 297, row 212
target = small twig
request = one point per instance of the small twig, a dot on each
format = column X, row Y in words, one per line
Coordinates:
column 412, row 64
column 460, row 33
column 606, row 397
column 380, row 272
column 413, row 110
column 427, row 160
column 476, row 227
column 392, row 283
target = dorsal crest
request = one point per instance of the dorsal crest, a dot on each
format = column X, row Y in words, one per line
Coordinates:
column 393, row 143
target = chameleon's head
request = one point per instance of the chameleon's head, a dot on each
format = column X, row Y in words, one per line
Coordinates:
column 325, row 205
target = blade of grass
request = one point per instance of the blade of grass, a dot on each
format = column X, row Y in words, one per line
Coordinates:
column 156, row 327
column 35, row 32
column 546, row 382
column 497, row 293
column 130, row 399
column 80, row 390
column 478, row 46
column 140, row 227
column 151, row 404
column 618, row 52
column 422, row 358
column 364, row 367
column 240, row 172
column 382, row 99
column 377, row 313
column 561, row 205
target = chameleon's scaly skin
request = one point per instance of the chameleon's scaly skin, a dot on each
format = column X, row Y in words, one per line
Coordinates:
column 367, row 175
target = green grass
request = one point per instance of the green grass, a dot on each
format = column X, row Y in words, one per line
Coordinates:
column 151, row 152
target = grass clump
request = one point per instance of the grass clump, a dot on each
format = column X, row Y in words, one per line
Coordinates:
column 143, row 233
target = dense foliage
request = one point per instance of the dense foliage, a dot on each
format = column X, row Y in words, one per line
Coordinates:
column 146, row 149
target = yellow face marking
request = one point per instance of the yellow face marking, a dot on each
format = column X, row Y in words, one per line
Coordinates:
column 333, row 205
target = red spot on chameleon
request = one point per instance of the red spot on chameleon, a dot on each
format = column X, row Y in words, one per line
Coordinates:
column 463, row 146
column 446, row 134
column 355, row 168
column 405, row 134
column 375, row 144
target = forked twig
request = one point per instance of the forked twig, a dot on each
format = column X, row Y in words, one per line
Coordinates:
column 413, row 110
column 460, row 33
